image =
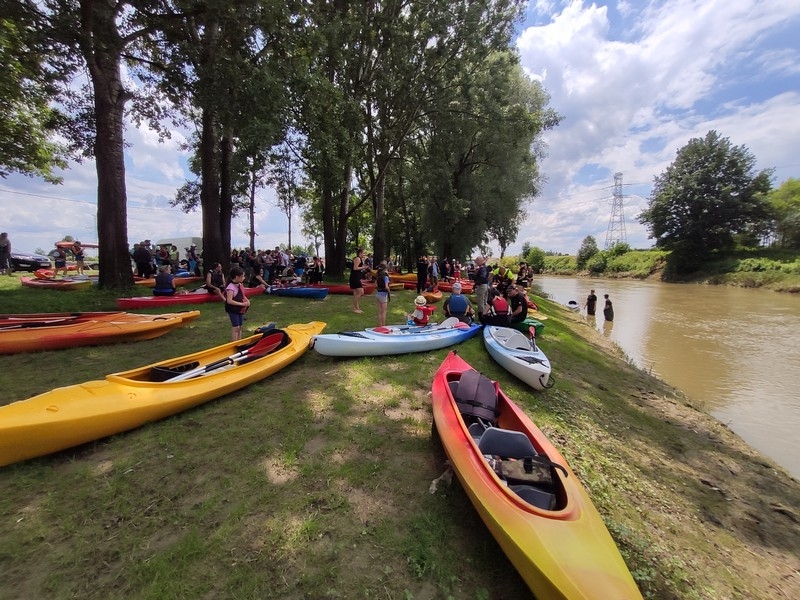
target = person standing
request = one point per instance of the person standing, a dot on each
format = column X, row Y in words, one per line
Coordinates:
column 356, row 273
column 77, row 250
column 236, row 302
column 422, row 274
column 60, row 260
column 608, row 309
column 5, row 255
column 481, row 284
column 382, row 294
column 591, row 303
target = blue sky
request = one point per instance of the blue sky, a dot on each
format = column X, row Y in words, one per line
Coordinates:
column 635, row 81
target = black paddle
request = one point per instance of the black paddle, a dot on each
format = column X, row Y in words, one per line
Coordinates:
column 533, row 338
column 263, row 347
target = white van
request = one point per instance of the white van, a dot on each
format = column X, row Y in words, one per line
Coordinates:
column 182, row 243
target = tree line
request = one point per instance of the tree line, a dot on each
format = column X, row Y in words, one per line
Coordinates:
column 407, row 125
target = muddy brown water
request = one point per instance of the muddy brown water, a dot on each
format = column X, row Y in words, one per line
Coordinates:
column 734, row 351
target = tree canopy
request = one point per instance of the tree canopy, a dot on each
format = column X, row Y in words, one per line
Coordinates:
column 708, row 195
column 411, row 125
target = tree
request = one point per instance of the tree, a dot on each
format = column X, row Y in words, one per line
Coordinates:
column 710, row 193
column 28, row 121
column 785, row 202
column 587, row 250
column 535, row 258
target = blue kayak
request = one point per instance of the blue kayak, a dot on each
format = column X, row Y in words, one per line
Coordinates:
column 315, row 293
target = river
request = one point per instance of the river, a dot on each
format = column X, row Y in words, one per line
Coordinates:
column 734, row 351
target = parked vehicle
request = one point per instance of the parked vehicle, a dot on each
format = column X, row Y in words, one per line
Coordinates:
column 25, row 261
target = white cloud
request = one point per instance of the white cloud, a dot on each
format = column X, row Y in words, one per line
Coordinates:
column 635, row 84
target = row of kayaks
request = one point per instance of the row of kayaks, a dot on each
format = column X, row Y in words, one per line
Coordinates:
column 519, row 483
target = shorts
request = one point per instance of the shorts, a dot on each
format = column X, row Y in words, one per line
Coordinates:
column 60, row 264
column 237, row 319
column 382, row 297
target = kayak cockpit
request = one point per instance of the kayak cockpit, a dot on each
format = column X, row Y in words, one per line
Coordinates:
column 508, row 452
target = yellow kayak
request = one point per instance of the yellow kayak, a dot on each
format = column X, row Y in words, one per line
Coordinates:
column 525, row 492
column 73, row 415
column 103, row 329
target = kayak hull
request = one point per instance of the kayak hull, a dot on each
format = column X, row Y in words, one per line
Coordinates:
column 76, row 414
column 312, row 293
column 561, row 552
column 196, row 297
column 513, row 351
column 398, row 339
column 122, row 327
column 55, row 284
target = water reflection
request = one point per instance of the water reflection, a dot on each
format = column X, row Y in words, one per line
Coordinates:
column 608, row 326
column 733, row 350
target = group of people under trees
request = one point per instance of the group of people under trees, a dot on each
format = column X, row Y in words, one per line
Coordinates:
column 501, row 297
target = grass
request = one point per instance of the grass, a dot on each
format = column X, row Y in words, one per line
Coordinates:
column 314, row 482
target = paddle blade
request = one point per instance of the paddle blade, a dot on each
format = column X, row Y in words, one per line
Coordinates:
column 532, row 331
column 449, row 322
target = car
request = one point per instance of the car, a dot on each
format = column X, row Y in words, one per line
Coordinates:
column 26, row 261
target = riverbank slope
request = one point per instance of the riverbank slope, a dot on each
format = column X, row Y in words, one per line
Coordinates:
column 315, row 482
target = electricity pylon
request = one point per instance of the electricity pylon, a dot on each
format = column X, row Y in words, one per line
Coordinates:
column 616, row 224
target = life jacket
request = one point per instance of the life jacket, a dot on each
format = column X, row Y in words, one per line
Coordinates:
column 238, row 297
column 457, row 304
column 499, row 306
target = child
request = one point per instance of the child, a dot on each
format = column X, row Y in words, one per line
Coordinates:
column 382, row 293
column 236, row 302
column 421, row 312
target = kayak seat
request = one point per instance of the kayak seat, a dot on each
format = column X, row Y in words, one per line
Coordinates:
column 476, row 396
column 158, row 374
column 505, row 443
column 535, row 496
column 476, row 430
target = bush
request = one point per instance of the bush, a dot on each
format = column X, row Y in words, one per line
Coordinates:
column 597, row 263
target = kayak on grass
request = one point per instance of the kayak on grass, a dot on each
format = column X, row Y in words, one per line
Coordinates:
column 76, row 414
column 119, row 327
column 524, row 490
column 394, row 339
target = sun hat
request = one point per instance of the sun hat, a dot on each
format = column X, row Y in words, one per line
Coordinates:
column 420, row 301
column 456, row 287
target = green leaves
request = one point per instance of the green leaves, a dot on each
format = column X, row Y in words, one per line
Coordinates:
column 709, row 194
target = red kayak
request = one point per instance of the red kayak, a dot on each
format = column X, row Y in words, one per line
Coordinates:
column 197, row 297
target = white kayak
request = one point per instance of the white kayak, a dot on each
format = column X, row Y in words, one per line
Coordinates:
column 519, row 355
column 394, row 339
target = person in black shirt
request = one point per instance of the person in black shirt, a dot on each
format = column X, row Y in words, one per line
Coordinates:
column 591, row 303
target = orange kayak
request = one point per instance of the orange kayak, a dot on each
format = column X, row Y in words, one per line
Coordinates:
column 524, row 490
column 123, row 327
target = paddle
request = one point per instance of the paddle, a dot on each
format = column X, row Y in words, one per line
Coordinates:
column 533, row 338
column 261, row 348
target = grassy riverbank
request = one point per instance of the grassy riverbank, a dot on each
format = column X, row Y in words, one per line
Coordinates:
column 777, row 270
column 314, row 483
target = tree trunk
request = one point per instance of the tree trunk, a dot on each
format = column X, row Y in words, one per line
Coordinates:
column 213, row 250
column 102, row 49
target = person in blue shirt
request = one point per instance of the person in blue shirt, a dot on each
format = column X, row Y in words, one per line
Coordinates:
column 165, row 281
column 459, row 306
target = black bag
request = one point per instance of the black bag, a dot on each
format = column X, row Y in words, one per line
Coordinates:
column 476, row 396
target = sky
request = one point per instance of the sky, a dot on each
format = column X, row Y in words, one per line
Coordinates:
column 634, row 82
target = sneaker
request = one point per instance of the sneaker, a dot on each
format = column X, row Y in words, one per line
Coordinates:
column 358, row 311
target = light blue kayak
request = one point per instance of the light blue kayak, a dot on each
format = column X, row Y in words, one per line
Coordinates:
column 394, row 339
